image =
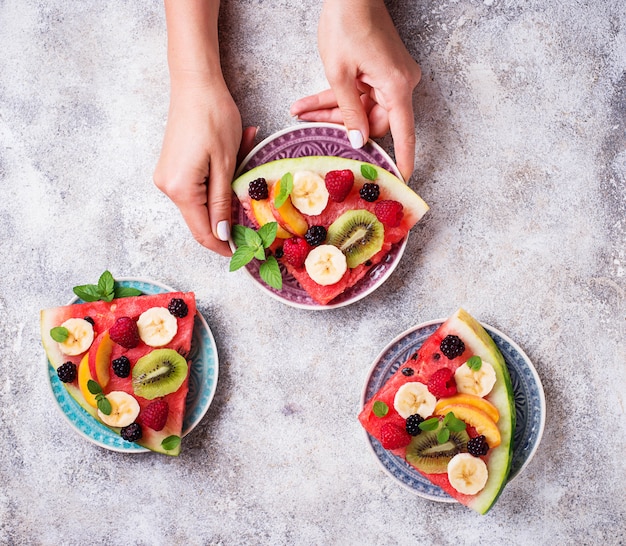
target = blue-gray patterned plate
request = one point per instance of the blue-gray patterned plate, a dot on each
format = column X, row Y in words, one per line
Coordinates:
column 202, row 382
column 530, row 405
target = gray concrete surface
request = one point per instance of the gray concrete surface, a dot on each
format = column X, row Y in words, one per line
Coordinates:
column 520, row 118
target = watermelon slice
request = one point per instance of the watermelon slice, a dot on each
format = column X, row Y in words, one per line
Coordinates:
column 493, row 413
column 290, row 220
column 95, row 362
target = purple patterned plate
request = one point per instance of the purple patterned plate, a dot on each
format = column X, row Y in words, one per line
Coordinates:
column 310, row 139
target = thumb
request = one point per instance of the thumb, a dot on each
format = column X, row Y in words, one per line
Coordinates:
column 352, row 111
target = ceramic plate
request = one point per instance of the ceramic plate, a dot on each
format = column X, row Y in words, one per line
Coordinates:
column 530, row 406
column 310, row 139
column 202, row 382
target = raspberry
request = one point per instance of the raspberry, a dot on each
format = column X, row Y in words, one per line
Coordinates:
column 125, row 332
column 132, row 432
column 441, row 383
column 389, row 212
column 295, row 251
column 315, row 235
column 393, row 436
column 257, row 189
column 478, row 446
column 339, row 184
column 121, row 366
column 369, row 192
column 452, row 346
column 178, row 307
column 155, row 414
column 67, row 372
column 413, row 423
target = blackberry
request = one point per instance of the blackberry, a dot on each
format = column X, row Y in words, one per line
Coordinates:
column 413, row 424
column 408, row 372
column 477, row 446
column 315, row 235
column 90, row 320
column 121, row 366
column 67, row 372
column 369, row 192
column 452, row 346
column 257, row 189
column 178, row 307
column 132, row 432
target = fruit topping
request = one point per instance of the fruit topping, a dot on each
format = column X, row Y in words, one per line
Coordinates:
column 427, row 454
column 258, row 190
column 476, row 378
column 131, row 433
column 155, row 415
column 159, row 373
column 442, row 384
column 470, row 400
column 393, row 436
column 295, row 251
column 389, row 212
column 326, row 264
column 413, row 423
column 408, row 371
column 76, row 336
column 157, row 326
column 124, row 409
column 476, row 418
column 125, row 333
column 369, row 192
column 414, row 398
column 285, row 213
column 309, row 194
column 315, row 235
column 339, row 183
column 478, row 446
column 358, row 234
column 467, row 474
column 452, row 346
column 67, row 372
column 178, row 307
column 121, row 366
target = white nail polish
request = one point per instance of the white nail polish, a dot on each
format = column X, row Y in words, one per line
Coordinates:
column 223, row 230
column 356, row 138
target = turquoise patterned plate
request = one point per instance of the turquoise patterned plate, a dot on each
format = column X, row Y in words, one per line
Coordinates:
column 202, row 382
column 530, row 405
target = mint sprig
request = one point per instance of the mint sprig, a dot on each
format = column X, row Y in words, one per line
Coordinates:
column 449, row 424
column 106, row 289
column 286, row 187
column 251, row 245
column 369, row 172
column 103, row 404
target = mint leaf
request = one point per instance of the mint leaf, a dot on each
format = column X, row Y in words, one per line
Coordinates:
column 259, row 253
column 270, row 273
column 87, row 292
column 126, row 291
column 59, row 334
column 443, row 435
column 453, row 423
column 267, row 233
column 429, row 424
column 369, row 172
column 106, row 286
column 93, row 387
column 171, row 442
column 286, row 187
column 380, row 409
column 241, row 257
column 238, row 235
column 104, row 405
column 475, row 363
column 252, row 238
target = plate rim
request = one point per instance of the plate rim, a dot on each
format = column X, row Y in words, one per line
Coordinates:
column 401, row 247
column 488, row 328
column 135, row 448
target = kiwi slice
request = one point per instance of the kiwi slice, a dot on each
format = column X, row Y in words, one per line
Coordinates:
column 426, row 454
column 358, row 234
column 159, row 373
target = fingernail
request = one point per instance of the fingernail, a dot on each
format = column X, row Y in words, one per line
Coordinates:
column 223, row 230
column 356, row 138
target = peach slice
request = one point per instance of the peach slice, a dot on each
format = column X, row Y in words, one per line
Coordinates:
column 84, row 376
column 100, row 359
column 477, row 418
column 263, row 213
column 287, row 215
column 470, row 400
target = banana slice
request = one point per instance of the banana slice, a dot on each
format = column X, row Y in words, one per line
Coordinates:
column 124, row 409
column 80, row 336
column 467, row 474
column 326, row 264
column 413, row 398
column 309, row 194
column 476, row 382
column 157, row 326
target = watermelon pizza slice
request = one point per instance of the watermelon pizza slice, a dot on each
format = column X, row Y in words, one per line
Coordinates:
column 449, row 412
column 125, row 362
column 337, row 218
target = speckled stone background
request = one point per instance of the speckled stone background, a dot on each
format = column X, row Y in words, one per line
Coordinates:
column 521, row 124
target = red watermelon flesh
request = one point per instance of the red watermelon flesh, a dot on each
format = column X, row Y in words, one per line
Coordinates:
column 424, row 363
column 104, row 315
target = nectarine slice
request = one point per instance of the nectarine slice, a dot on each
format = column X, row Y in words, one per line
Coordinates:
column 470, row 400
column 477, row 418
column 100, row 359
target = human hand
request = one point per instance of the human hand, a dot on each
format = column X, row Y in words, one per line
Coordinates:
column 371, row 74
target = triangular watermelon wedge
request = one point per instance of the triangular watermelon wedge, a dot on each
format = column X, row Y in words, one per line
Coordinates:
column 420, row 368
column 391, row 189
column 103, row 315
